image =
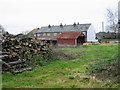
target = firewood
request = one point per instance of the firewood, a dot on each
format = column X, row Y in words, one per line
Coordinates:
column 24, row 69
column 16, row 62
column 8, row 66
column 14, row 49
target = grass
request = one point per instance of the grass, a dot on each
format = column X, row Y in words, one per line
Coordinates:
column 66, row 73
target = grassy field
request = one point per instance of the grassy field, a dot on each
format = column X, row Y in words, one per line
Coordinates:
column 68, row 72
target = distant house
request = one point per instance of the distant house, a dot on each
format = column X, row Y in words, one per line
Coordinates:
column 50, row 33
column 33, row 32
column 70, row 39
column 107, row 35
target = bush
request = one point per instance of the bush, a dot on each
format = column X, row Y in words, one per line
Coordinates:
column 39, row 60
column 103, row 69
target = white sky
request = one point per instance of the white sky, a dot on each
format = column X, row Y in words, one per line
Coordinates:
column 20, row 15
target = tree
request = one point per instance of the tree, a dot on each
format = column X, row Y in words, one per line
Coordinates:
column 2, row 32
column 112, row 18
column 2, row 29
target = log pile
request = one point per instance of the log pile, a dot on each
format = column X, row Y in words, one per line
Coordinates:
column 15, row 53
column 94, row 43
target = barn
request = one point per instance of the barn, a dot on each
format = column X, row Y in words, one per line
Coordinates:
column 70, row 39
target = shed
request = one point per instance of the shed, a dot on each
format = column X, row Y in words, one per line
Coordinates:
column 70, row 39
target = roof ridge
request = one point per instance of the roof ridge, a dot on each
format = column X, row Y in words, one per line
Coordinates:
column 65, row 28
column 67, row 25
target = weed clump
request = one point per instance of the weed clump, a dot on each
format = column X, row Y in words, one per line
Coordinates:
column 104, row 70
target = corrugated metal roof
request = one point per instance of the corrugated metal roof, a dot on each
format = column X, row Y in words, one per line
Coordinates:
column 65, row 28
column 70, row 35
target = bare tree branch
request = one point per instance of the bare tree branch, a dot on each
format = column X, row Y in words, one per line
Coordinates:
column 112, row 18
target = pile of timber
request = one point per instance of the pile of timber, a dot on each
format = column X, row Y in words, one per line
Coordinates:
column 15, row 53
column 85, row 44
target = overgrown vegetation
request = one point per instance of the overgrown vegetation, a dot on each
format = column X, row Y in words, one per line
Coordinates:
column 105, row 69
column 71, row 73
column 52, row 55
column 40, row 60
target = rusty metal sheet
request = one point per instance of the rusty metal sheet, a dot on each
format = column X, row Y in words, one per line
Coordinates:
column 70, row 35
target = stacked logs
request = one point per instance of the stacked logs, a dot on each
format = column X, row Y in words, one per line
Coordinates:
column 15, row 53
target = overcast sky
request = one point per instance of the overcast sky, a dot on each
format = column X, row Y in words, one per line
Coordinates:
column 20, row 15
